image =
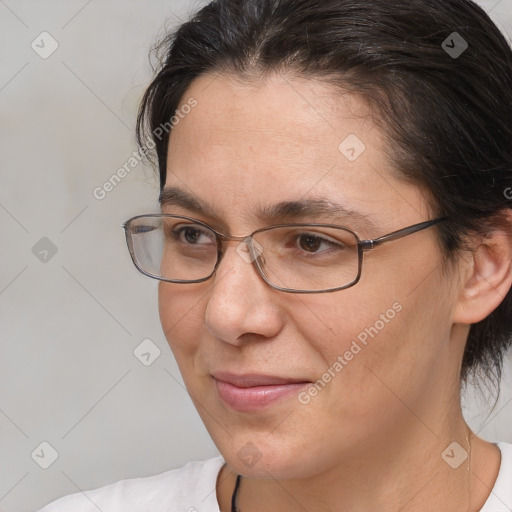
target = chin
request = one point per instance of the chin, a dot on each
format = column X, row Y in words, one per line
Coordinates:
column 257, row 456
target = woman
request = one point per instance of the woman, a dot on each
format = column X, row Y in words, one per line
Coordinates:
column 334, row 254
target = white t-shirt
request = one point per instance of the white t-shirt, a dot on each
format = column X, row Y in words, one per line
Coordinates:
column 192, row 488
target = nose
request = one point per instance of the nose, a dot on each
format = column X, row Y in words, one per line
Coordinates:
column 240, row 304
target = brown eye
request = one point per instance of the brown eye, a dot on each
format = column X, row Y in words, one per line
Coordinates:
column 310, row 243
column 191, row 235
column 318, row 245
column 194, row 235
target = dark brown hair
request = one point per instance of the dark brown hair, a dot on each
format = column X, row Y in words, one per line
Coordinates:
column 446, row 108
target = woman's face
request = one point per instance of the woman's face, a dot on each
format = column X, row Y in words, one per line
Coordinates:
column 379, row 352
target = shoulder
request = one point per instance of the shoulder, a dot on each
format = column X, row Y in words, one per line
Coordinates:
column 500, row 499
column 188, row 489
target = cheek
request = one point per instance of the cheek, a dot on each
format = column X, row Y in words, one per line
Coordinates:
column 376, row 339
column 181, row 309
column 346, row 320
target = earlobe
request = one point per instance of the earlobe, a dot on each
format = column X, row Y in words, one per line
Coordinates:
column 488, row 276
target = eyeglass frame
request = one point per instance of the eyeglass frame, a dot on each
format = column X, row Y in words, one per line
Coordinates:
column 363, row 246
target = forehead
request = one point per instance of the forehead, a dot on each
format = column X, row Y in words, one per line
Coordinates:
column 295, row 110
column 281, row 138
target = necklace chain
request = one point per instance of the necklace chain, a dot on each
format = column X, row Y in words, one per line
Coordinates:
column 234, row 497
column 468, row 436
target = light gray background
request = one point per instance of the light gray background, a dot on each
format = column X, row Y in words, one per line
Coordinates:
column 69, row 326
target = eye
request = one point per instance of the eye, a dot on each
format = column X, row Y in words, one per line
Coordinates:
column 317, row 244
column 194, row 235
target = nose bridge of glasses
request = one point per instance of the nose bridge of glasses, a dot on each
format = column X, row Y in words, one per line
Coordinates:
column 247, row 248
column 234, row 238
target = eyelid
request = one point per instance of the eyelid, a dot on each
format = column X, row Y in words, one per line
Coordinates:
column 219, row 227
column 326, row 237
column 311, row 230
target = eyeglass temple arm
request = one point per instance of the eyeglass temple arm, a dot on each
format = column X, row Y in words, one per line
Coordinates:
column 395, row 235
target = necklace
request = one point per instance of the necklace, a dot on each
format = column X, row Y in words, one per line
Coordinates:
column 468, row 441
column 234, row 497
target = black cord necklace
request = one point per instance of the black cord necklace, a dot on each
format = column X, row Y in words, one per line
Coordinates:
column 234, row 497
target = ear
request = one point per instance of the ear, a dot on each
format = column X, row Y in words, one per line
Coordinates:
column 487, row 273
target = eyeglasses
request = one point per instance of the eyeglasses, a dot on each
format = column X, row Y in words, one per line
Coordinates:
column 295, row 258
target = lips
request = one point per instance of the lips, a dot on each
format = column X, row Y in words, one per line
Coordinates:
column 253, row 392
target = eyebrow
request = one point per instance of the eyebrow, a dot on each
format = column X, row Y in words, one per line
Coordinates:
column 273, row 214
column 174, row 196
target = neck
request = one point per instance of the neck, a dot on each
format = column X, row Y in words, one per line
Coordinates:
column 402, row 470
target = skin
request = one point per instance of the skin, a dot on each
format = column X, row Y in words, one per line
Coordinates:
column 372, row 439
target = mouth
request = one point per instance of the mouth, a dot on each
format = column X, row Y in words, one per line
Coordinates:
column 254, row 392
